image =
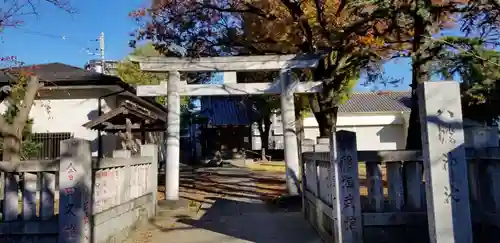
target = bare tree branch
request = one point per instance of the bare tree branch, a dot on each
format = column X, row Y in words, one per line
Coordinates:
column 12, row 11
column 250, row 9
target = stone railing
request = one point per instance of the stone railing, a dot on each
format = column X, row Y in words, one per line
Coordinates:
column 77, row 198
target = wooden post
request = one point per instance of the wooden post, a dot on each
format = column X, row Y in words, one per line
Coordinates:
column 347, row 222
column 413, row 184
column 289, row 135
column 172, row 165
column 396, row 190
column 375, row 188
column 75, row 198
column 445, row 166
column 152, row 151
column 11, row 196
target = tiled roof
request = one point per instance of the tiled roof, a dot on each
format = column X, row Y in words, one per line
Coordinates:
column 59, row 73
column 230, row 111
column 388, row 101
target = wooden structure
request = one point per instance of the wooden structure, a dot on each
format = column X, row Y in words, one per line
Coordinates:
column 142, row 119
column 129, row 120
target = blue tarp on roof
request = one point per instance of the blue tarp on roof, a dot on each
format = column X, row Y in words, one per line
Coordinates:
column 224, row 110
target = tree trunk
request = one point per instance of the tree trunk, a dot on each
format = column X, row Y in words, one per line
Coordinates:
column 413, row 139
column 13, row 133
column 325, row 114
column 11, row 148
column 327, row 121
column 324, row 104
column 420, row 74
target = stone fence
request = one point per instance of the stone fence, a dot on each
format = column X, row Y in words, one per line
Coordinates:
column 443, row 193
column 77, row 198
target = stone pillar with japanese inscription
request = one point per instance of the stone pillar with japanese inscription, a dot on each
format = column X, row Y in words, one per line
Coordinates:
column 346, row 202
column 75, row 198
column 445, row 165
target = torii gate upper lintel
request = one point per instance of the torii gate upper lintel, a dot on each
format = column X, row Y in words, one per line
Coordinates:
column 174, row 88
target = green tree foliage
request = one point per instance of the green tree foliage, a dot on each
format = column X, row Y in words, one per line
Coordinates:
column 482, row 18
column 424, row 19
column 131, row 73
column 355, row 36
column 415, row 22
column 351, row 35
column 478, row 67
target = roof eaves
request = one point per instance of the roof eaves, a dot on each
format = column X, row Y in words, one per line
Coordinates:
column 372, row 112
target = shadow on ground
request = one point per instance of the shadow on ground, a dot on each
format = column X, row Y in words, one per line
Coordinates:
column 235, row 205
column 230, row 220
column 196, row 183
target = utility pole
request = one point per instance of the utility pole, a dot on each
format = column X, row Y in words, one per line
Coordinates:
column 101, row 51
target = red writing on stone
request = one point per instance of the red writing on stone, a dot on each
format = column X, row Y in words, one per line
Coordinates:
column 69, row 191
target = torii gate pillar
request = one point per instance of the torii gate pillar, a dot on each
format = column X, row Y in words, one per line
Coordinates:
column 172, row 160
column 172, row 167
column 175, row 88
column 289, row 134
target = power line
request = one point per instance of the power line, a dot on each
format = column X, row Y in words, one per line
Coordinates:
column 60, row 37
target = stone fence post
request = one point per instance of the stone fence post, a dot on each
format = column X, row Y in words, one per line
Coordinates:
column 346, row 203
column 127, row 186
column 75, row 191
column 445, row 166
column 152, row 151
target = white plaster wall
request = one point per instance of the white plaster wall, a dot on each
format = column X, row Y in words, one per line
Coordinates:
column 374, row 131
column 67, row 110
column 360, row 119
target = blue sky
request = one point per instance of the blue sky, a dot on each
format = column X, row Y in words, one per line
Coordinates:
column 40, row 39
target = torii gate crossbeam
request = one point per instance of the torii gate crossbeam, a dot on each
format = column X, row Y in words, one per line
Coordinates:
column 174, row 88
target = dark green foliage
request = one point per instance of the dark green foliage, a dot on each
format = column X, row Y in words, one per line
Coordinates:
column 131, row 73
column 478, row 67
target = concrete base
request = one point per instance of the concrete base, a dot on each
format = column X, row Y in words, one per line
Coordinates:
column 168, row 205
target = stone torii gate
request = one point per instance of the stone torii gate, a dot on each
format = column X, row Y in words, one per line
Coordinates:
column 175, row 87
